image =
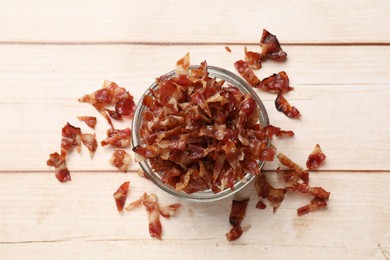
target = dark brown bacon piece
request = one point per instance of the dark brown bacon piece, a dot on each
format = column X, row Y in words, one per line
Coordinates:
column 228, row 49
column 314, row 204
column 236, row 232
column 246, row 72
column 61, row 171
column 89, row 120
column 316, row 158
column 253, row 59
column 121, row 194
column 276, row 83
column 275, row 196
column 121, row 160
column 284, row 106
column 120, row 138
column 271, row 48
column 237, row 212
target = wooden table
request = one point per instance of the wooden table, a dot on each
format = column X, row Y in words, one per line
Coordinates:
column 53, row 52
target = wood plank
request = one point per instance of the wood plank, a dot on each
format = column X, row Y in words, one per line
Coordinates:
column 79, row 219
column 336, row 90
column 203, row 21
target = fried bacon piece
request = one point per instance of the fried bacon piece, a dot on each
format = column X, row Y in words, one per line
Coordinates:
column 314, row 204
column 228, row 49
column 121, row 194
column 317, row 192
column 271, row 130
column 298, row 172
column 61, row 171
column 183, row 65
column 316, row 158
column 253, row 59
column 275, row 196
column 89, row 140
column 246, row 72
column 111, row 95
column 89, row 120
column 121, row 160
column 200, row 134
column 151, row 206
column 135, row 204
column 170, row 210
column 276, row 83
column 271, row 48
column 260, row 205
column 284, row 106
column 120, row 138
column 237, row 214
column 71, row 137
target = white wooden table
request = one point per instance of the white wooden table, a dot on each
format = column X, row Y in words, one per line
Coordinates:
column 53, row 52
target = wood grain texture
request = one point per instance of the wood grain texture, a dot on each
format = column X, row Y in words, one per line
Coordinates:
column 54, row 52
column 331, row 21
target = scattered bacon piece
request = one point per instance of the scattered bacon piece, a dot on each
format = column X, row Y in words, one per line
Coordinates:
column 299, row 173
column 142, row 174
column 118, row 138
column 275, row 196
column 121, row 160
column 246, row 72
column 271, row 130
column 237, row 212
column 284, row 106
column 183, row 65
column 135, row 204
column 316, row 158
column 151, row 206
column 318, row 192
column 313, row 205
column 285, row 133
column 253, row 59
column 89, row 140
column 61, row 171
column 228, row 49
column 276, row 83
column 121, row 194
column 89, row 120
column 111, row 95
column 271, row 48
column 71, row 137
column 260, row 205
column 236, row 232
column 170, row 210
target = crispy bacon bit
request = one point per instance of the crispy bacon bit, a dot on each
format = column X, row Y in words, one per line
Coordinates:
column 276, row 83
column 71, row 137
column 271, row 130
column 275, row 196
column 299, row 172
column 121, row 160
column 260, row 205
column 151, row 206
column 285, row 133
column 253, row 59
column 200, row 134
column 170, row 210
column 61, row 171
column 237, row 212
column 89, row 120
column 313, row 205
column 121, row 194
column 271, row 48
column 317, row 192
column 228, row 49
column 89, row 140
column 111, row 95
column 118, row 138
column 246, row 72
column 284, row 106
column 316, row 158
column 236, row 232
column 183, row 65
column 135, row 204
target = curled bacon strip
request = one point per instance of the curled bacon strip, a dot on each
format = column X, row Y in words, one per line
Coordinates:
column 284, row 106
column 246, row 72
column 237, row 214
column 314, row 204
column 316, row 158
column 253, row 59
column 121, row 194
column 299, row 172
column 61, row 171
column 121, row 160
column 271, row 48
column 276, row 83
column 89, row 120
column 118, row 138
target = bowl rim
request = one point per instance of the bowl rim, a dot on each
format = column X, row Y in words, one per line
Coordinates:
column 207, row 195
